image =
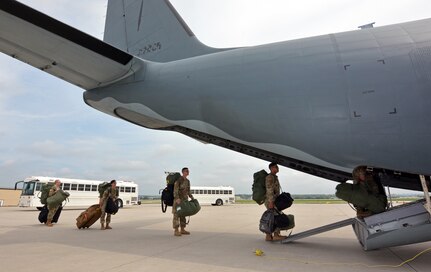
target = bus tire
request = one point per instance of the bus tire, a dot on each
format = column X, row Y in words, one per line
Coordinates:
column 119, row 203
column 219, row 202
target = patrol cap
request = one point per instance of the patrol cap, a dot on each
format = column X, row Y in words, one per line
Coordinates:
column 358, row 170
column 272, row 164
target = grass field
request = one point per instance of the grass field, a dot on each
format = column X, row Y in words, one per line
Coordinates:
column 297, row 201
column 300, row 201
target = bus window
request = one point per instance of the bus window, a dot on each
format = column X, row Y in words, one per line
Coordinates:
column 122, row 189
column 80, row 187
column 28, row 188
column 133, row 189
column 128, row 189
column 225, row 192
column 201, row 192
column 87, row 187
column 38, row 186
column 94, row 188
column 73, row 187
column 66, row 186
column 230, row 192
column 217, row 192
column 205, row 192
column 213, row 192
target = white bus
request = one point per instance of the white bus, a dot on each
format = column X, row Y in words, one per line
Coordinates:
column 213, row 195
column 82, row 192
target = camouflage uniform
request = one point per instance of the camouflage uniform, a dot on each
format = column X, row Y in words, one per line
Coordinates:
column 52, row 210
column 182, row 192
column 112, row 193
column 272, row 191
column 376, row 200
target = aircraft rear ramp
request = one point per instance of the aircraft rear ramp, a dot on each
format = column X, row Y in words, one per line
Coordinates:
column 402, row 225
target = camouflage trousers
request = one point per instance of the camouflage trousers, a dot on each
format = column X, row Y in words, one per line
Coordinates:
column 177, row 220
column 51, row 213
column 104, row 214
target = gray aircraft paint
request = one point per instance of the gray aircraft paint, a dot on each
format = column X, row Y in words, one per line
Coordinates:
column 347, row 99
column 135, row 27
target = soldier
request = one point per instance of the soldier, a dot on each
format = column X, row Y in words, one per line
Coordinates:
column 272, row 191
column 110, row 192
column 181, row 193
column 52, row 210
column 372, row 196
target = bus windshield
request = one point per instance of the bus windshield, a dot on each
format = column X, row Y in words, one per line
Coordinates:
column 28, row 188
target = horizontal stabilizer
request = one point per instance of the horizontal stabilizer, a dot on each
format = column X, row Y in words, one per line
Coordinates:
column 56, row 48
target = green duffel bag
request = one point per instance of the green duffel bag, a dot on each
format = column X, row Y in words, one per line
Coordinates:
column 345, row 191
column 358, row 196
column 352, row 193
column 291, row 221
column 259, row 187
column 188, row 208
column 284, row 221
column 56, row 199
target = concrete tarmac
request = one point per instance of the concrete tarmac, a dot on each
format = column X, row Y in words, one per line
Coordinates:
column 222, row 239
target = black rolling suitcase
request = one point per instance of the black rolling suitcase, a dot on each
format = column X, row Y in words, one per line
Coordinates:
column 43, row 215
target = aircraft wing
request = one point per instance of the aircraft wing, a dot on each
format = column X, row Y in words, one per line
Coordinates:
column 56, row 48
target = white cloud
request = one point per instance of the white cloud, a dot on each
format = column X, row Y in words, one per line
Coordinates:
column 47, row 148
column 226, row 23
column 115, row 164
column 9, row 79
column 8, row 163
column 164, row 150
column 87, row 16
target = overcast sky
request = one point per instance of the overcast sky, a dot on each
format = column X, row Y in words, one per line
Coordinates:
column 47, row 129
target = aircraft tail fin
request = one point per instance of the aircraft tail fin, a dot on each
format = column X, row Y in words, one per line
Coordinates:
column 152, row 30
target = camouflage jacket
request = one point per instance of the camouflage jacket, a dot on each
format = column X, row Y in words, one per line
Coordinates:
column 272, row 188
column 110, row 192
column 371, row 186
column 182, row 189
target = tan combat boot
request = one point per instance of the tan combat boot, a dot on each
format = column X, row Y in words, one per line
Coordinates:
column 177, row 232
column 278, row 237
column 361, row 214
column 102, row 226
column 183, row 231
column 107, row 226
column 49, row 224
column 268, row 237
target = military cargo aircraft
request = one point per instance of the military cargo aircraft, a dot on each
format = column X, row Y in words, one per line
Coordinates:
column 321, row 105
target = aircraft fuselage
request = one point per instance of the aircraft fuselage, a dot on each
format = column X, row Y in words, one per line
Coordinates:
column 338, row 100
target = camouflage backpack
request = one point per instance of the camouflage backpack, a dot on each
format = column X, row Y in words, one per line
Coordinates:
column 102, row 188
column 45, row 191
